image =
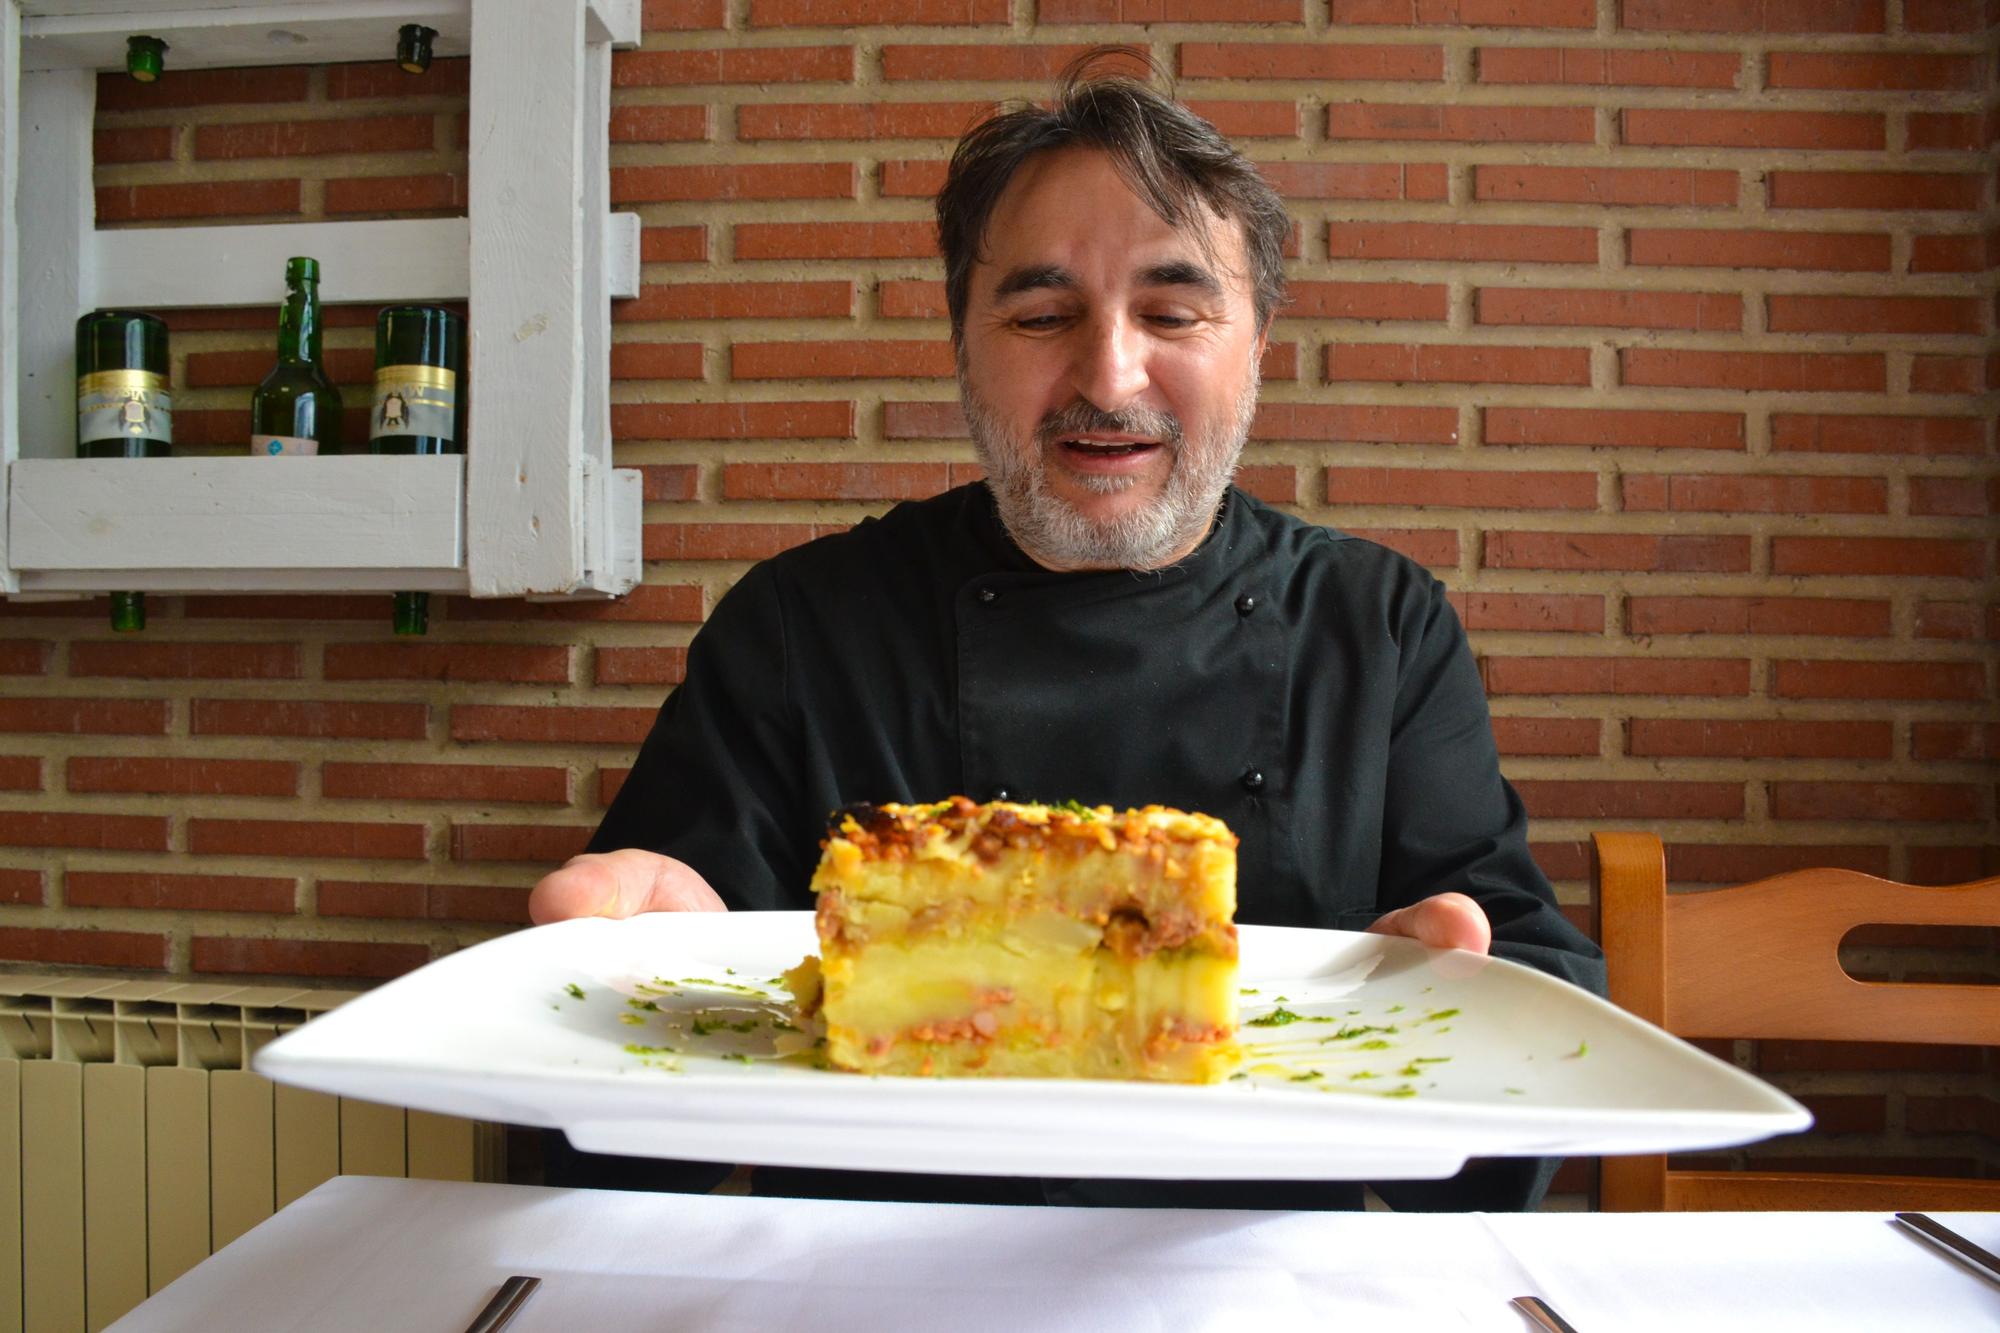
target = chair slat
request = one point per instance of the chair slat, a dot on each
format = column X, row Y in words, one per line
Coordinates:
column 1762, row 960
column 1784, row 1191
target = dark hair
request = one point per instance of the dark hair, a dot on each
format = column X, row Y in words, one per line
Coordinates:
column 1172, row 159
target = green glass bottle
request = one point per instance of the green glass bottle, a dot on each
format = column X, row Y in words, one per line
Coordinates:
column 123, row 408
column 296, row 410
column 419, row 404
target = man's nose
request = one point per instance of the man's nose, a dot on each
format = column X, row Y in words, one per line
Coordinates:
column 1109, row 368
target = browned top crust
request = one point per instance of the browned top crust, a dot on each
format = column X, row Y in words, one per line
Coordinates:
column 889, row 832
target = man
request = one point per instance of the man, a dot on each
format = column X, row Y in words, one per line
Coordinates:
column 1105, row 619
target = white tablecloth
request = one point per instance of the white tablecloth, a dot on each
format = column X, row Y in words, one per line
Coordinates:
column 383, row 1256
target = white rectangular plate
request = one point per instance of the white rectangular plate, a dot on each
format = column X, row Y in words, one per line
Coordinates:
column 665, row 1036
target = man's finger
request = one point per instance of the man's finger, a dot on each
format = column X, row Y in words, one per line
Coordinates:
column 677, row 887
column 586, row 886
column 620, row 884
column 1447, row 921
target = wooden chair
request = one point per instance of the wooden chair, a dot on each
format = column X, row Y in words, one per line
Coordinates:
column 1761, row 960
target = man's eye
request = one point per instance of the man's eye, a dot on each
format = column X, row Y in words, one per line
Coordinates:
column 1038, row 321
column 1171, row 321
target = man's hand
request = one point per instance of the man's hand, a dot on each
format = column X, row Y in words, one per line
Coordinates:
column 1447, row 921
column 620, row 884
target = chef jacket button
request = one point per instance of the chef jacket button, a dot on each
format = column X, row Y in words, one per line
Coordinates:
column 1245, row 604
column 1253, row 780
column 1001, row 794
column 987, row 595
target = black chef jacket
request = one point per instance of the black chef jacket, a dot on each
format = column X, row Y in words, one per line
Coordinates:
column 1312, row 690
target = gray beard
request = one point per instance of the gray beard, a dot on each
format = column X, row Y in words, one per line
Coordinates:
column 1056, row 534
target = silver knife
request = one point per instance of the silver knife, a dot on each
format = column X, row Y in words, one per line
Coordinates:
column 1980, row 1261
column 506, row 1303
column 1542, row 1313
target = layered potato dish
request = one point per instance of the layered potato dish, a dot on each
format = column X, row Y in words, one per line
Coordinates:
column 1026, row 940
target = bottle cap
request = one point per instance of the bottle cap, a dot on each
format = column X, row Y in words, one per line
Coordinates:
column 145, row 58
column 413, row 47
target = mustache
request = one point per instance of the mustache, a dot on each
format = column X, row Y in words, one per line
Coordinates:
column 1081, row 416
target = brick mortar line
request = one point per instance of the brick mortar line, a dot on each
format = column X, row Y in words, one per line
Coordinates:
column 1443, row 91
column 1315, row 25
column 440, row 106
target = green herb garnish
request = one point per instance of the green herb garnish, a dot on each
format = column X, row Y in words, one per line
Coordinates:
column 1358, row 1030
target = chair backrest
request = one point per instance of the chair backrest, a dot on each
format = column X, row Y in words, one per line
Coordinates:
column 1762, row 960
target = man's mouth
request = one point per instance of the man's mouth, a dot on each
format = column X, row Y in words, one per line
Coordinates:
column 1091, row 447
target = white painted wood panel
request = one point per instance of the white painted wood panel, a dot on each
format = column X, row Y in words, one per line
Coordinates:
column 10, row 272
column 527, row 190
column 614, row 21
column 627, row 519
column 418, row 259
column 56, row 218
column 166, row 267
column 218, row 11
column 621, row 256
column 236, row 513
column 594, row 306
column 200, row 34
column 71, row 584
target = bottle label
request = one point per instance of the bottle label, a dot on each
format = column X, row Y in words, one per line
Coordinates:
column 124, row 404
column 414, row 400
column 283, row 446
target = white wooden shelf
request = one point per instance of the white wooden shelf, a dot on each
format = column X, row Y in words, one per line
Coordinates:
column 534, row 508
column 149, row 524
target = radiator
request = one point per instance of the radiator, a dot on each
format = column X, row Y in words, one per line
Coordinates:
column 135, row 1140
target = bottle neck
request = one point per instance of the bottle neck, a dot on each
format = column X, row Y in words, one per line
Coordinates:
column 298, row 325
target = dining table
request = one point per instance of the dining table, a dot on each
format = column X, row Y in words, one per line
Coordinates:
column 385, row 1255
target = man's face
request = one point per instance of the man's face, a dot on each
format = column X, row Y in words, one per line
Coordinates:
column 1108, row 366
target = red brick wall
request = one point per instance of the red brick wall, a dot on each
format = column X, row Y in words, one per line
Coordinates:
column 1662, row 331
